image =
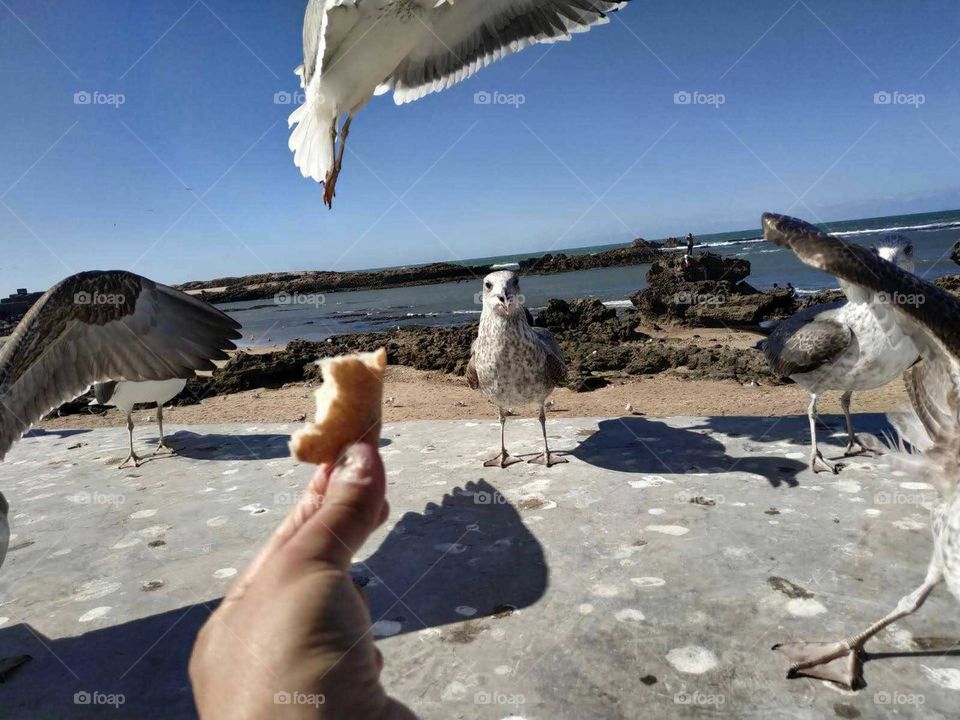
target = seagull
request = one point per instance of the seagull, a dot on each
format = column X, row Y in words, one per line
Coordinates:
column 124, row 395
column 847, row 346
column 355, row 49
column 928, row 315
column 513, row 363
column 97, row 326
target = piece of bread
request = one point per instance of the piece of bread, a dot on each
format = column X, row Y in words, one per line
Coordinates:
column 349, row 408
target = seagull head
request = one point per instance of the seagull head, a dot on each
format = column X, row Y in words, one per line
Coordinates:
column 896, row 248
column 501, row 293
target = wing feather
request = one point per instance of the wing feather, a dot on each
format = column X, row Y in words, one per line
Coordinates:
column 472, row 34
column 76, row 335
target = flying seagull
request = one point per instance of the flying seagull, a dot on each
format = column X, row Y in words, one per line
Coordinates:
column 928, row 315
column 97, row 326
column 355, row 49
column 847, row 346
column 124, row 395
column 513, row 363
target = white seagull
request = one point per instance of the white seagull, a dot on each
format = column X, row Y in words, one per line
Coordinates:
column 97, row 326
column 355, row 49
column 847, row 346
column 928, row 315
column 124, row 395
column 513, row 363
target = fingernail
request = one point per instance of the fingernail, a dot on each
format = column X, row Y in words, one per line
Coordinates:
column 353, row 467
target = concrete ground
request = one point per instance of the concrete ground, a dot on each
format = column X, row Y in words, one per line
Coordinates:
column 648, row 577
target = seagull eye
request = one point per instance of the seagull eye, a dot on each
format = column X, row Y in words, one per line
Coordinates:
column 488, row 285
column 909, row 250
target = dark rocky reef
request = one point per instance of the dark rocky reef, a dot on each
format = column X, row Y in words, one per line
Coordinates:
column 269, row 285
column 707, row 290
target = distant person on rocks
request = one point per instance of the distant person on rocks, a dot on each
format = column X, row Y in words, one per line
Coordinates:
column 690, row 243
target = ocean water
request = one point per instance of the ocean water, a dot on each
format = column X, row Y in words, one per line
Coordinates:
column 266, row 322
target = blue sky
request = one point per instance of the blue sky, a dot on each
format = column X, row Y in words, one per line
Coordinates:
column 191, row 178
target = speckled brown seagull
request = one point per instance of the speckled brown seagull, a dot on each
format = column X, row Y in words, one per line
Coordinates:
column 97, row 326
column 847, row 346
column 930, row 437
column 513, row 363
column 355, row 49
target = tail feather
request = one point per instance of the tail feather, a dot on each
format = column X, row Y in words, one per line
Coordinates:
column 310, row 140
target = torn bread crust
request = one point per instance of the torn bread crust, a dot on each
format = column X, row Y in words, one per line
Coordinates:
column 349, row 408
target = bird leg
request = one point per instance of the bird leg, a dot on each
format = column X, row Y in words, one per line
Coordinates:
column 841, row 662
column 816, row 457
column 545, row 458
column 504, row 459
column 854, row 446
column 330, row 183
column 161, row 445
column 132, row 456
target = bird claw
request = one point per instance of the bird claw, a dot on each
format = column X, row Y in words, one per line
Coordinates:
column 837, row 662
column 818, row 460
column 548, row 459
column 163, row 446
column 330, row 187
column 137, row 461
column 855, row 447
column 503, row 460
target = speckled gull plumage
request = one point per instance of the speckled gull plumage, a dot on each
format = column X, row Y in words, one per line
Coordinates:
column 929, row 445
column 847, row 346
column 103, row 325
column 512, row 363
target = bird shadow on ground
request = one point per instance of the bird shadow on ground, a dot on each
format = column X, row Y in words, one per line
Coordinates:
column 63, row 433
column 796, row 429
column 199, row 446
column 638, row 445
column 463, row 564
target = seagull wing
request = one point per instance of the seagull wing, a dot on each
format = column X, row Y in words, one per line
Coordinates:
column 98, row 326
column 473, row 380
column 924, row 312
column 806, row 341
column 471, row 34
column 325, row 25
column 556, row 366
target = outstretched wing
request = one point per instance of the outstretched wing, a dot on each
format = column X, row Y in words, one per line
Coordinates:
column 325, row 25
column 98, row 326
column 471, row 34
column 806, row 341
column 556, row 367
column 924, row 312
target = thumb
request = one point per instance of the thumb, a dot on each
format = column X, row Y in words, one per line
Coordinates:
column 351, row 509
